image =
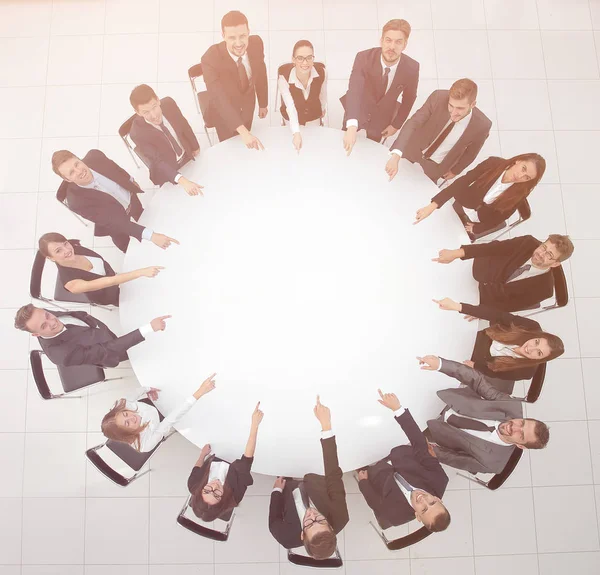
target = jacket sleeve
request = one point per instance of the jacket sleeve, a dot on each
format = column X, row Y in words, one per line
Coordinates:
column 496, row 247
column 356, row 86
column 239, row 477
column 471, row 151
column 335, row 484
column 261, row 82
column 159, row 168
column 495, row 316
column 461, row 460
column 415, row 436
column 518, row 295
column 277, row 526
column 489, row 218
column 188, row 132
column 474, row 379
column 409, row 95
column 417, row 120
column 374, row 500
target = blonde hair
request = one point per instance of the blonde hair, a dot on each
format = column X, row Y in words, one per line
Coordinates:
column 113, row 431
column 464, row 88
column 399, row 26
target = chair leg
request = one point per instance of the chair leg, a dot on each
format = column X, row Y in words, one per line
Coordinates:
column 473, row 479
column 77, row 216
column 138, row 475
column 208, row 135
column 542, row 310
column 106, row 307
column 112, row 379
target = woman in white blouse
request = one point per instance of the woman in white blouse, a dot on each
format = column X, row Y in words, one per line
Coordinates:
column 490, row 193
column 139, row 424
column 303, row 88
column 82, row 270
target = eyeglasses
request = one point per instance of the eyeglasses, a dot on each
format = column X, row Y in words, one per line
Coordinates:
column 217, row 493
column 304, row 59
column 547, row 253
column 308, row 523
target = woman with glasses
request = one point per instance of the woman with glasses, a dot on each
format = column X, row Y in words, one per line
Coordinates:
column 490, row 193
column 217, row 486
column 82, row 270
column 303, row 88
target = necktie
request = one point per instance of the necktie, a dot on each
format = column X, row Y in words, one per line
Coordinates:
column 518, row 272
column 467, row 423
column 176, row 148
column 384, row 81
column 403, row 482
column 430, row 151
column 244, row 83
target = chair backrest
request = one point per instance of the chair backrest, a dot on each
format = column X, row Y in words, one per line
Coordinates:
column 37, row 370
column 524, row 209
column 35, row 280
column 561, row 292
column 125, row 127
column 195, row 72
column 63, row 294
column 500, row 478
column 74, row 377
column 201, row 96
column 407, row 540
column 332, row 562
column 202, row 530
column 537, row 382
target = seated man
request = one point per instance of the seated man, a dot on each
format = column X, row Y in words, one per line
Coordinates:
column 410, row 482
column 164, row 137
column 101, row 191
column 313, row 510
column 77, row 338
column 235, row 76
column 481, row 426
column 513, row 274
column 382, row 87
column 445, row 135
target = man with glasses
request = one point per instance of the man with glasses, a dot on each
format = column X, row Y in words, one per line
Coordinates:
column 513, row 274
column 311, row 511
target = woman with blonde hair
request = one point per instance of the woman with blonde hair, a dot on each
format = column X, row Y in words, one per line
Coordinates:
column 140, row 425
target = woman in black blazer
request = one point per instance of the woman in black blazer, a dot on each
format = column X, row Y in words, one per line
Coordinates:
column 217, row 486
column 84, row 271
column 490, row 193
column 512, row 347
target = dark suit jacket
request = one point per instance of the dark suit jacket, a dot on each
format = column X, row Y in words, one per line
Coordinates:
column 457, row 447
column 156, row 148
column 481, row 351
column 364, row 101
column 108, row 214
column 94, row 345
column 326, row 492
column 415, row 464
column 420, row 131
column 494, row 262
column 229, row 107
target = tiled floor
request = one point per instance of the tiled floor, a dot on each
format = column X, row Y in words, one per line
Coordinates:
column 66, row 68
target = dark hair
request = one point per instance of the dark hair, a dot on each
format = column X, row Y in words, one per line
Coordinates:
column 46, row 239
column 202, row 509
column 399, row 26
column 302, row 44
column 59, row 158
column 542, row 435
column 233, row 18
column 141, row 95
column 440, row 522
column 563, row 244
column 322, row 544
column 23, row 315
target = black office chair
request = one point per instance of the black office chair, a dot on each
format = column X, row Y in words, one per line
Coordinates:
column 561, row 292
column 124, row 130
column 200, row 97
column 61, row 196
column 500, row 478
column 72, row 378
column 333, row 562
column 402, row 542
column 537, row 382
column 195, row 527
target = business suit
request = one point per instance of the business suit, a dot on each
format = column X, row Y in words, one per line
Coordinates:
column 365, row 100
column 93, row 345
column 229, row 107
column 325, row 491
column 416, row 466
column 154, row 145
column 106, row 212
column 426, row 124
column 494, row 262
column 458, row 448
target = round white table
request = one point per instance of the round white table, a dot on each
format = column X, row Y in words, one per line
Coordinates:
column 297, row 275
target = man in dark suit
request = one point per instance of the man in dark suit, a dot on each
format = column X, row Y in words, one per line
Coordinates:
column 163, row 137
column 235, row 75
column 101, row 191
column 71, row 338
column 410, row 482
column 443, row 136
column 382, row 87
column 513, row 274
column 311, row 511
column 481, row 426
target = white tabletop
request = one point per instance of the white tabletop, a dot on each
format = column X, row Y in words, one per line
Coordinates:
column 298, row 274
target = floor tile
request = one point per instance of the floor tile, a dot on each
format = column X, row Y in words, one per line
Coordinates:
column 585, row 115
column 10, row 530
column 19, row 263
column 180, row 570
column 588, row 314
column 541, row 142
column 341, row 47
column 186, row 16
column 570, row 55
column 72, row 111
column 590, row 368
column 172, row 465
column 462, row 56
column 131, row 16
column 52, row 570
column 595, row 13
column 296, row 16
column 511, row 14
column 522, row 105
column 559, row 563
column 586, row 282
column 547, row 214
column 500, row 564
column 594, row 431
column 560, row 15
column 565, row 534
column 75, row 18
column 248, row 569
column 13, row 392
column 19, row 165
column 84, row 57
column 257, row 12
column 381, row 567
column 130, row 58
column 171, row 66
column 26, row 116
column 32, row 62
column 36, row 14
column 421, row 48
column 461, row 15
column 120, row 569
column 581, row 223
column 15, row 344
column 349, row 15
column 453, row 566
column 12, row 449
column 574, row 153
column 516, row 54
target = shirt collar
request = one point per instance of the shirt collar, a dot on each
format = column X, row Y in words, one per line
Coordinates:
column 94, row 179
column 293, row 79
column 235, row 58
column 392, row 68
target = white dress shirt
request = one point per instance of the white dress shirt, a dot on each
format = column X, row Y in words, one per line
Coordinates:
column 531, row 272
column 218, row 470
column 245, row 62
column 403, row 489
column 498, row 349
column 491, row 436
column 98, row 266
column 492, row 194
column 284, row 90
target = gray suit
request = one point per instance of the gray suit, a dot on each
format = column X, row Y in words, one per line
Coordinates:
column 481, row 400
column 424, row 126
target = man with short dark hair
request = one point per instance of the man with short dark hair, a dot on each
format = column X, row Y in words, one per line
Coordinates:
column 101, row 191
column 163, row 137
column 443, row 136
column 311, row 511
column 481, row 426
column 513, row 274
column 235, row 76
column 71, row 338
column 382, row 87
column 410, row 482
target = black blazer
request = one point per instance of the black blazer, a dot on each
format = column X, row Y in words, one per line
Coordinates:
column 106, row 296
column 325, row 491
column 107, row 213
column 156, row 148
column 415, row 464
column 93, row 345
column 494, row 262
column 364, row 100
column 229, row 107
column 481, row 351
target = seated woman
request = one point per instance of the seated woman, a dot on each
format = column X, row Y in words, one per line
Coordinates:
column 139, row 424
column 84, row 271
column 217, row 486
column 512, row 347
column 490, row 193
column 303, row 89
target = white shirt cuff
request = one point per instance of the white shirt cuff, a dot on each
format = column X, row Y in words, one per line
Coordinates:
column 399, row 412
column 327, row 434
column 397, row 152
column 295, row 128
column 351, row 123
column 146, row 330
column 277, row 489
column 147, row 234
column 177, row 178
column 439, row 366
